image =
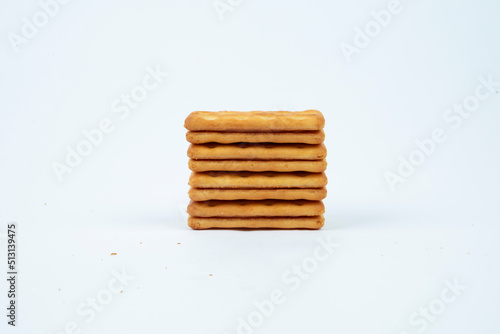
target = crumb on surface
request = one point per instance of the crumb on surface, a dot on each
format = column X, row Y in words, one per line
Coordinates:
column 113, row 253
column 121, row 291
column 44, row 203
column 178, row 243
column 210, row 275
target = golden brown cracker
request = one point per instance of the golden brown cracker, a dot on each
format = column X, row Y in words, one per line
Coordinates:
column 313, row 222
column 313, row 166
column 260, row 121
column 248, row 151
column 257, row 180
column 304, row 137
column 312, row 194
column 264, row 208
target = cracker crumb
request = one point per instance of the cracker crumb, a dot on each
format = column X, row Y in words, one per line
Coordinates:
column 178, row 243
column 140, row 242
column 113, row 253
column 44, row 203
column 121, row 291
column 59, row 289
column 210, row 275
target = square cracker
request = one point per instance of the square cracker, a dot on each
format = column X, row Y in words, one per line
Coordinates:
column 313, row 166
column 313, row 222
column 311, row 194
column 304, row 137
column 259, row 121
column 264, row 208
column 257, row 180
column 247, row 151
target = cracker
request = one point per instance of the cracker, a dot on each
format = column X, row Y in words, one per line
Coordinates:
column 313, row 166
column 260, row 121
column 264, row 208
column 304, row 137
column 312, row 194
column 257, row 180
column 247, row 151
column 313, row 222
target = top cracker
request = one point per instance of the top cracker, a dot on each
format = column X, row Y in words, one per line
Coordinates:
column 256, row 121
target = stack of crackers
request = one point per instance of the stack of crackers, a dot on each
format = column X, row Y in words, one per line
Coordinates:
column 256, row 169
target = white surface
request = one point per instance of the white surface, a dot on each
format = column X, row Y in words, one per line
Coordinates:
column 396, row 249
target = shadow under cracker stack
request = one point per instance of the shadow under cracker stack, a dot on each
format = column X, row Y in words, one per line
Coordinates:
column 256, row 169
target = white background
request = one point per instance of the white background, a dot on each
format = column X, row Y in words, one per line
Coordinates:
column 396, row 248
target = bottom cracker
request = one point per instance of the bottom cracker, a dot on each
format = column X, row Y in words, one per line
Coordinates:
column 313, row 222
